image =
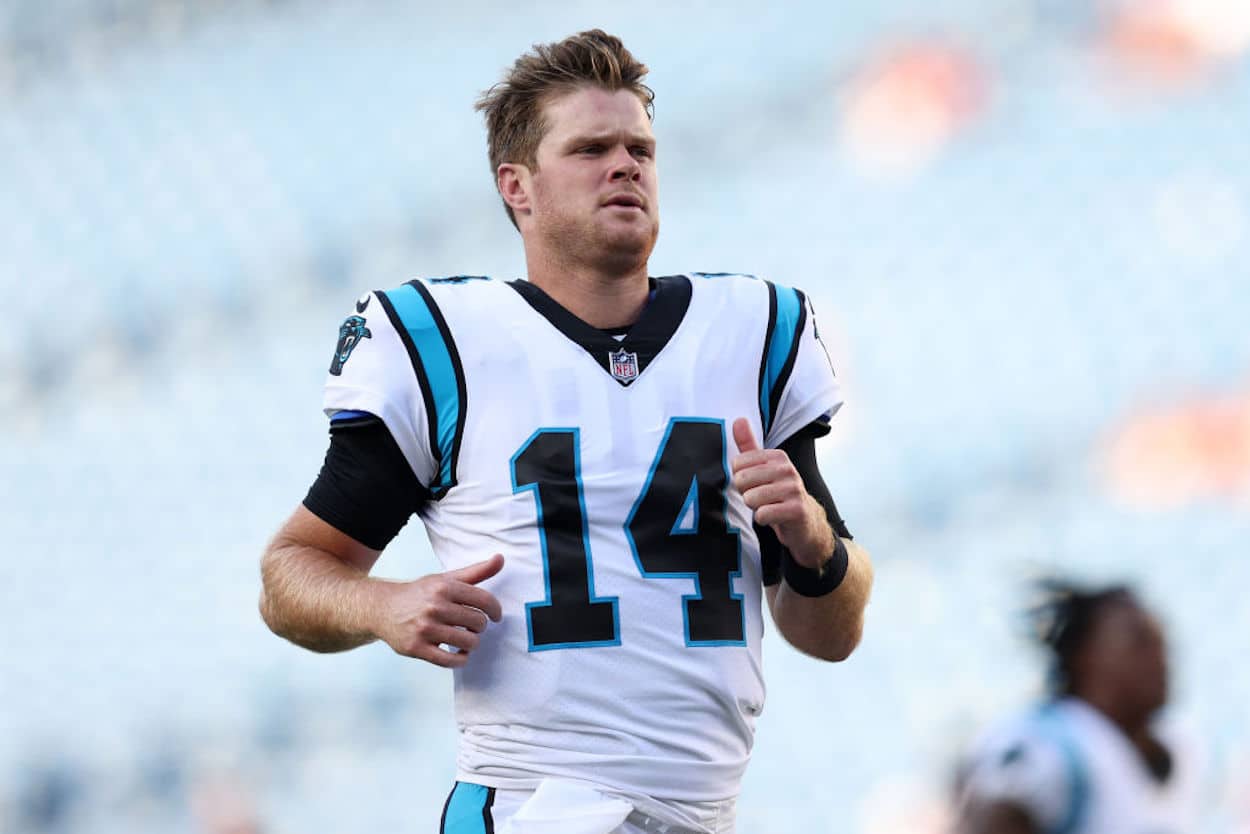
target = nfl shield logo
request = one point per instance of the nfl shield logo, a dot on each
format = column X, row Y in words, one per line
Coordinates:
column 624, row 365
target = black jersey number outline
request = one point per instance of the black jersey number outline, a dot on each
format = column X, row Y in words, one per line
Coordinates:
column 677, row 529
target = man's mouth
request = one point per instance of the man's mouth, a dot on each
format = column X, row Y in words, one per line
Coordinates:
column 624, row 201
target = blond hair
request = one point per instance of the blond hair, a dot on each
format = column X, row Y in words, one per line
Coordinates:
column 513, row 108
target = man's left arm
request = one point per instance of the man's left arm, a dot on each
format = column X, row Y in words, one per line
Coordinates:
column 819, row 603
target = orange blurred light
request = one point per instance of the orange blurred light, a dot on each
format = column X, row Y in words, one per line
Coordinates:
column 908, row 103
column 1170, row 458
column 1171, row 42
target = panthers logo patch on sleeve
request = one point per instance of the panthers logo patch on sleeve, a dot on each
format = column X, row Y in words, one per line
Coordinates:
column 350, row 333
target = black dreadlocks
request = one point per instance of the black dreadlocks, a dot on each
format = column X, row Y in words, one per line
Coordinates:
column 1062, row 620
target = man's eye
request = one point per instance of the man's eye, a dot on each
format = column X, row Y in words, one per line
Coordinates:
column 592, row 149
column 642, row 151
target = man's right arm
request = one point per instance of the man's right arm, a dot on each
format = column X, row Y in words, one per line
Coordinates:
column 316, row 589
column 317, row 593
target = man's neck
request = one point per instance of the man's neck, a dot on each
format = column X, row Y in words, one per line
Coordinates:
column 600, row 299
column 1137, row 730
column 1131, row 723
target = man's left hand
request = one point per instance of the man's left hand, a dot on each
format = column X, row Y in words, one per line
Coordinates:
column 773, row 488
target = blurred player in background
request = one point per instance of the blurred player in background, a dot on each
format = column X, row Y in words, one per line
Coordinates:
column 1093, row 760
column 578, row 426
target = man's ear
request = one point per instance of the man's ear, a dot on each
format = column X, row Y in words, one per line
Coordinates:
column 515, row 182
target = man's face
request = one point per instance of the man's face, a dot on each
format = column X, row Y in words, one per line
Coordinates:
column 1127, row 648
column 594, row 192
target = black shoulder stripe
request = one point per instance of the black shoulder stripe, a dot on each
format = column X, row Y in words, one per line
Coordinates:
column 458, row 371
column 774, row 398
column 418, row 366
column 768, row 340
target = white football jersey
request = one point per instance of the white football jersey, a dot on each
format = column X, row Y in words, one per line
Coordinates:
column 629, row 651
column 1075, row 772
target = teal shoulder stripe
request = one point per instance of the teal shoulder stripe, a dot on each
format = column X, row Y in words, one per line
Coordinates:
column 468, row 810
column 1078, row 777
column 437, row 363
column 780, row 349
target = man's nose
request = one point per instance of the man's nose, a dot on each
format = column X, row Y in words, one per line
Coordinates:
column 624, row 166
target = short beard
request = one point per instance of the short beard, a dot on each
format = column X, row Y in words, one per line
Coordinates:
column 577, row 243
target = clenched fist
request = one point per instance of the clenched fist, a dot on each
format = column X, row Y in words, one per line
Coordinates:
column 418, row 618
column 774, row 490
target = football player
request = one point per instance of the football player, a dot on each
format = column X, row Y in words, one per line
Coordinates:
column 615, row 471
column 1091, row 760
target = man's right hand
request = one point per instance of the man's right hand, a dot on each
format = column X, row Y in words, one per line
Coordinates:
column 418, row 618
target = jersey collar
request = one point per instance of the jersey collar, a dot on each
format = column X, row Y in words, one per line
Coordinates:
column 624, row 359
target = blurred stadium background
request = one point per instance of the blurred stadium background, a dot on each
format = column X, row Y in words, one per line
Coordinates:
column 1026, row 224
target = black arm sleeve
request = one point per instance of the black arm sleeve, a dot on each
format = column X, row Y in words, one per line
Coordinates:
column 801, row 447
column 366, row 488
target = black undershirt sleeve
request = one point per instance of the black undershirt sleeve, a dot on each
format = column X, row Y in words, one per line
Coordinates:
column 366, row 488
column 801, row 447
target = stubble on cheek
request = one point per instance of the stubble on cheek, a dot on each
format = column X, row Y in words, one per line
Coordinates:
column 623, row 247
column 590, row 236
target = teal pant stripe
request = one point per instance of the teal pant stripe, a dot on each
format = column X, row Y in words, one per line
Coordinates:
column 440, row 371
column 789, row 315
column 466, row 809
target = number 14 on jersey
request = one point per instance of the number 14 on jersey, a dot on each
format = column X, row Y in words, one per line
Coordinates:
column 678, row 529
